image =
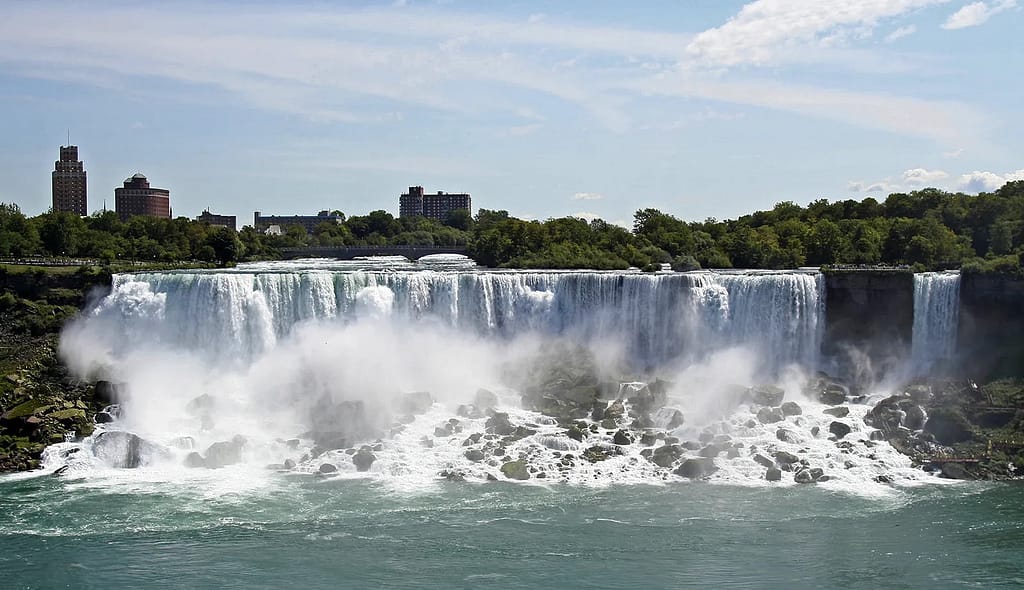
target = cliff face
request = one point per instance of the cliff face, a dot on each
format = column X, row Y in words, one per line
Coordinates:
column 869, row 320
column 991, row 328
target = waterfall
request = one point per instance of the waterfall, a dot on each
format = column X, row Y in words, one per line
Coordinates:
column 936, row 312
column 658, row 318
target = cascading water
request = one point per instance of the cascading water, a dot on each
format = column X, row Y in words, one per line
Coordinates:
column 936, row 313
column 236, row 316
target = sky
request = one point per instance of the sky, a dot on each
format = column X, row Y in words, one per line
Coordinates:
column 591, row 108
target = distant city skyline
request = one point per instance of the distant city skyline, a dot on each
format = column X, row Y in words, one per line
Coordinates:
column 708, row 108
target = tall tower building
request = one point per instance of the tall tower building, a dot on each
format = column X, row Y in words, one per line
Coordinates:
column 69, row 187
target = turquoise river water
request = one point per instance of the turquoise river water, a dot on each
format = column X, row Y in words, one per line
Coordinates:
column 289, row 531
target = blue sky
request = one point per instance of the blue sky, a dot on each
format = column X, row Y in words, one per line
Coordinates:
column 701, row 108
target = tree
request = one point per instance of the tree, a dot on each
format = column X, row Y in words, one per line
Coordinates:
column 459, row 219
column 225, row 245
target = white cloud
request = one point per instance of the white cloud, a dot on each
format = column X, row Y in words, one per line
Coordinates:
column 947, row 122
column 921, row 176
column 587, row 197
column 587, row 215
column 953, row 154
column 976, row 13
column 901, row 33
column 977, row 181
column 766, row 29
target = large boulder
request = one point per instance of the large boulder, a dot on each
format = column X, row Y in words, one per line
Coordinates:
column 224, row 453
column 773, row 473
column 666, row 456
column 838, row 411
column 784, row 458
column 615, row 410
column 770, row 415
column 791, row 409
column 622, row 438
column 107, row 393
column 515, row 470
column 767, row 395
column 676, row 420
column 499, row 424
column 696, row 468
column 839, row 429
column 125, row 450
column 364, row 458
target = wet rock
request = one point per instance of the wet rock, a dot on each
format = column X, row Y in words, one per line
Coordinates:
column 443, row 431
column 615, row 410
column 597, row 411
column 328, row 468
column 454, row 475
column 784, row 458
column 426, row 442
column 470, row 440
column 576, row 433
column 913, row 416
column 832, row 393
column 676, row 420
column 194, row 460
column 289, row 464
column 696, row 468
column 838, row 412
column 475, row 455
column 791, row 409
column 648, row 439
column 815, row 430
column 711, row 451
column 103, row 418
column 787, row 436
column 763, row 461
column 622, row 438
column 692, row 445
column 515, row 470
column 363, row 458
column 773, row 474
column 839, row 429
column 224, row 453
column 803, row 476
column 499, row 424
column 106, row 392
column 767, row 395
column 666, row 456
column 123, row 450
column 770, row 415
column 416, row 402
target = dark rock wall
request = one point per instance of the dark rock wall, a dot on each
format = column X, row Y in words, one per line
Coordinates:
column 991, row 330
column 869, row 320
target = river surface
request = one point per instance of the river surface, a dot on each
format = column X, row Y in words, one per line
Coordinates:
column 289, row 531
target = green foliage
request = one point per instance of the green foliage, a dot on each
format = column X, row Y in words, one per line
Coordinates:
column 926, row 229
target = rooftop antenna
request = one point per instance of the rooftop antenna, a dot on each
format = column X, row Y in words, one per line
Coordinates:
column 69, row 137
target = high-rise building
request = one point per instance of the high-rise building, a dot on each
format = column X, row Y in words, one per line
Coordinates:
column 437, row 206
column 138, row 198
column 69, row 186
